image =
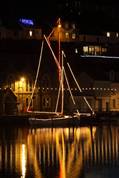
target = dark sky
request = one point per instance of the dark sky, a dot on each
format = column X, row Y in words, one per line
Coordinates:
column 28, row 8
column 47, row 10
column 40, row 10
column 42, row 7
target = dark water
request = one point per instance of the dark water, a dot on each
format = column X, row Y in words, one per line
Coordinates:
column 60, row 153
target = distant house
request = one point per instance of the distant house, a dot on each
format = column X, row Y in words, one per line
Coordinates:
column 8, row 102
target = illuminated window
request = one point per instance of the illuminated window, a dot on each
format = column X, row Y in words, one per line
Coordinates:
column 108, row 34
column 117, row 35
column 104, row 50
column 85, row 49
column 91, row 50
column 94, row 50
column 30, row 33
column 97, row 50
column 73, row 36
column 67, row 35
column 76, row 50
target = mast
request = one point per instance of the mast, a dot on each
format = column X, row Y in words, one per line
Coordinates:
column 59, row 45
column 59, row 27
column 60, row 60
column 62, row 84
column 61, row 63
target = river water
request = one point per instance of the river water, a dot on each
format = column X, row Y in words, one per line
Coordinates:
column 90, row 152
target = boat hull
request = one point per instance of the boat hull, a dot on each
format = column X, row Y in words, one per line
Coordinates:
column 54, row 122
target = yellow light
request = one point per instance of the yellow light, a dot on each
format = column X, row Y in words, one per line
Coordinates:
column 22, row 79
column 108, row 34
column 59, row 25
column 30, row 33
column 117, row 35
column 23, row 159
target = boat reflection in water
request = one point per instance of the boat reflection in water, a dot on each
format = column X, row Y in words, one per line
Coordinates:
column 58, row 153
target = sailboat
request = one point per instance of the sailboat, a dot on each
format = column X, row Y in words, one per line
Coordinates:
column 56, row 118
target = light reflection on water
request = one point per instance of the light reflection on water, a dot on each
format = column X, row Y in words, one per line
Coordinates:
column 59, row 153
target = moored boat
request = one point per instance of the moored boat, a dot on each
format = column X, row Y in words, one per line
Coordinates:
column 57, row 119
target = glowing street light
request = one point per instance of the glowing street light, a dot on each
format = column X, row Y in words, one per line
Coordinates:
column 22, row 79
column 59, row 25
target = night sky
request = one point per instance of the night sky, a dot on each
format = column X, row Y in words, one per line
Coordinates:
column 51, row 9
column 28, row 8
column 98, row 14
column 42, row 12
column 103, row 14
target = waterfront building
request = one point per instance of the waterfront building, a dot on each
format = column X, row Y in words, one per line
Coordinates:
column 93, row 57
column 8, row 102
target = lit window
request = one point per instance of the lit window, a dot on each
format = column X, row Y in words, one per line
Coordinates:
column 85, row 49
column 97, row 50
column 104, row 50
column 94, row 50
column 73, row 36
column 30, row 33
column 67, row 35
column 108, row 34
column 76, row 50
column 117, row 35
column 91, row 49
